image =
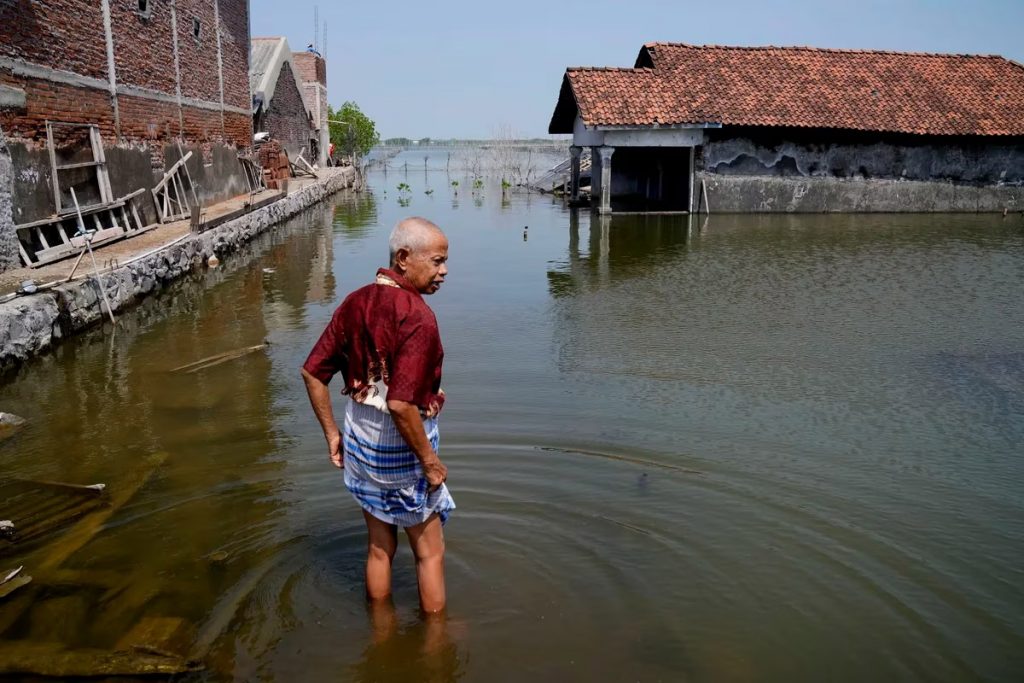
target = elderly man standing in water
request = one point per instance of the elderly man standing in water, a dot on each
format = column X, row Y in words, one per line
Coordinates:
column 384, row 341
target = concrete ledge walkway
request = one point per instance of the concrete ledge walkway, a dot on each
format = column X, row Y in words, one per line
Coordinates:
column 135, row 268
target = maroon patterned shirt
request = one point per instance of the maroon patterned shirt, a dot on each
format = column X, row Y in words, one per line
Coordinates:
column 383, row 338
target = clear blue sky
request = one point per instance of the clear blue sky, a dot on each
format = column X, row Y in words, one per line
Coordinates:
column 462, row 69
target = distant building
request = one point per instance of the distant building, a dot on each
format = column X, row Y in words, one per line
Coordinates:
column 149, row 75
column 798, row 129
column 311, row 70
column 277, row 100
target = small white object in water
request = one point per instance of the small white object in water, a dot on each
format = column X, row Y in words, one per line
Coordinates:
column 6, row 526
column 268, row 270
column 12, row 574
column 213, row 262
column 96, row 487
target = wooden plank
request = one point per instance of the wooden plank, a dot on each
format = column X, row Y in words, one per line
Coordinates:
column 55, row 660
column 82, row 164
column 24, row 254
column 135, row 215
column 99, row 237
column 53, row 165
column 124, row 217
column 42, row 239
column 83, row 532
column 102, row 176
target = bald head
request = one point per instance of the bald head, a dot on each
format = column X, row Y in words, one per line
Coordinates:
column 419, row 252
column 414, row 234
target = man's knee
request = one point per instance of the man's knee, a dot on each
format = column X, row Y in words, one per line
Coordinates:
column 382, row 552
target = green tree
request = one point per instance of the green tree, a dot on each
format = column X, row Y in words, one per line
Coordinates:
column 352, row 131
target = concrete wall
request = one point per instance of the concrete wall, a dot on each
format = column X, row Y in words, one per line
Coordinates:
column 766, row 194
column 285, row 117
column 8, row 240
column 145, row 82
column 819, row 171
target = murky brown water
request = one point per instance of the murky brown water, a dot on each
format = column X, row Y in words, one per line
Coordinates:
column 760, row 449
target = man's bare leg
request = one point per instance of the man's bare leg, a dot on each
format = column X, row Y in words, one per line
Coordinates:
column 382, row 542
column 427, row 541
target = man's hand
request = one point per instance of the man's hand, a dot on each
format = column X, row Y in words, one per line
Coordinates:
column 410, row 426
column 334, row 449
column 436, row 473
column 320, row 399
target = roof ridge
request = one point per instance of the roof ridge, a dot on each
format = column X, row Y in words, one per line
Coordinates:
column 811, row 48
column 611, row 68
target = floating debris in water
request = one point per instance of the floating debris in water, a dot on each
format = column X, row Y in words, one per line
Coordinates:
column 12, row 574
column 213, row 262
column 6, row 528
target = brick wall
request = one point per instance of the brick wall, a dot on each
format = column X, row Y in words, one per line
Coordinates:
column 311, row 71
column 58, row 48
column 286, row 119
column 49, row 32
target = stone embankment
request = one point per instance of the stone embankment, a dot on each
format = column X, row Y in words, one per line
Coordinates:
column 33, row 323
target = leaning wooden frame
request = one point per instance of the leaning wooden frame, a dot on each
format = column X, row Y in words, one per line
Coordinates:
column 169, row 194
column 253, row 174
column 98, row 163
column 55, row 238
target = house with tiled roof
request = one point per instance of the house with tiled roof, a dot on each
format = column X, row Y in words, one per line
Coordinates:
column 798, row 129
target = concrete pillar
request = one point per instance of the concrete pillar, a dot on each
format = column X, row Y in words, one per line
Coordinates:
column 8, row 237
column 574, row 173
column 605, row 153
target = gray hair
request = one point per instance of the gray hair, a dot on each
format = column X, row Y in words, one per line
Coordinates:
column 411, row 234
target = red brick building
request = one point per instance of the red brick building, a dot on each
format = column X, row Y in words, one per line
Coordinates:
column 311, row 70
column 277, row 102
column 150, row 74
column 798, row 129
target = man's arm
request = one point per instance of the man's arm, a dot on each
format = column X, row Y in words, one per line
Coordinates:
column 410, row 426
column 320, row 399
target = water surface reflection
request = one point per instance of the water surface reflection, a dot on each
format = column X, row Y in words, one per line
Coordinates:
column 751, row 448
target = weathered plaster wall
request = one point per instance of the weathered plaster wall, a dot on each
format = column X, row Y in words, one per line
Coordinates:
column 757, row 194
column 964, row 163
column 8, row 240
column 30, row 325
column 814, row 171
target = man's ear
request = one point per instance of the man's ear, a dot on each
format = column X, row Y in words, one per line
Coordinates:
column 401, row 259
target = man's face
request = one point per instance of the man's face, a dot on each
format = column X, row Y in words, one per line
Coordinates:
column 426, row 268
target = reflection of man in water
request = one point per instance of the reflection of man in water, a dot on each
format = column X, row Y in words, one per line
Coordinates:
column 385, row 342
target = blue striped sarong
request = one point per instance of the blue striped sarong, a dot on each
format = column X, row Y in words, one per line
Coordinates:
column 383, row 474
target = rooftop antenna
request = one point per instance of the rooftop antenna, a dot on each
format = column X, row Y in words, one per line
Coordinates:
column 323, row 46
column 316, row 27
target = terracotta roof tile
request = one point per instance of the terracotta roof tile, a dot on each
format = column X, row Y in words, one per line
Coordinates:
column 903, row 92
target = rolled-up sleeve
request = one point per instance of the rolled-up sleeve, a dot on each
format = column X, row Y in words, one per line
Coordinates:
column 327, row 357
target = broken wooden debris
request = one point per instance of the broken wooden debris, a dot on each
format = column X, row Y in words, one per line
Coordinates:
column 19, row 581
column 217, row 359
column 169, row 194
column 164, row 636
column 300, row 165
column 54, row 238
column 94, row 489
column 89, row 526
column 54, row 660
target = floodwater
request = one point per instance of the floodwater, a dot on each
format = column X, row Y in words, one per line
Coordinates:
column 736, row 449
